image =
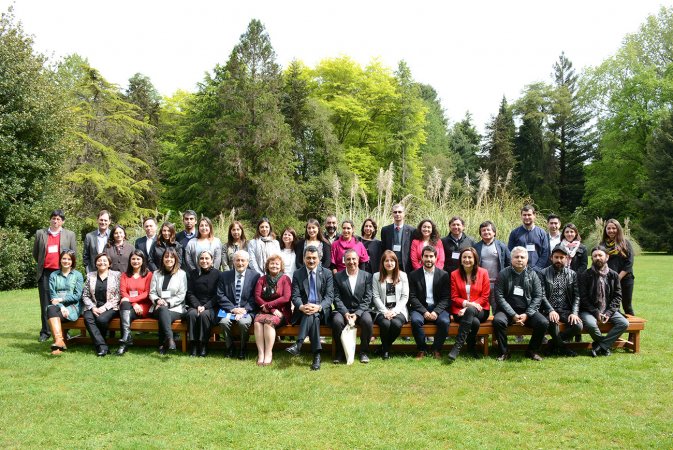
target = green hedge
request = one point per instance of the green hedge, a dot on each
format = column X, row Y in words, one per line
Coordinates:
column 17, row 268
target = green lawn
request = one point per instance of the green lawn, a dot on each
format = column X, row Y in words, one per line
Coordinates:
column 143, row 400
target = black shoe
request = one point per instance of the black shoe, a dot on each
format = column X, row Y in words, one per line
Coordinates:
column 475, row 354
column 121, row 350
column 453, row 354
column 43, row 337
column 194, row 349
column 316, row 362
column 204, row 350
column 595, row 349
column 171, row 345
column 294, row 349
column 230, row 352
column 385, row 355
column 565, row 351
column 604, row 352
column 364, row 358
column 504, row 357
column 533, row 355
column 242, row 354
column 162, row 350
column 103, row 352
column 339, row 359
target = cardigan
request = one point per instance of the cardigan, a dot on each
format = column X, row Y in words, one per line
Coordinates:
column 72, row 286
column 113, row 284
column 227, row 253
column 177, row 290
column 480, row 290
column 192, row 259
column 401, row 295
column 119, row 261
column 141, row 286
column 280, row 300
column 259, row 255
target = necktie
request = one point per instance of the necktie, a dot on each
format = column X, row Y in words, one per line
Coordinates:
column 238, row 289
column 312, row 294
column 398, row 237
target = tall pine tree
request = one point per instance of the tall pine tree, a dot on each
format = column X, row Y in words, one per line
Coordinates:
column 499, row 146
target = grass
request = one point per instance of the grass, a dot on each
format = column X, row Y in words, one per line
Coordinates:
column 146, row 401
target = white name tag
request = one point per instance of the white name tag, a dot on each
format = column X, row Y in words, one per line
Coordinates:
column 133, row 294
column 455, row 255
column 518, row 291
column 52, row 249
column 397, row 248
column 530, row 247
column 165, row 294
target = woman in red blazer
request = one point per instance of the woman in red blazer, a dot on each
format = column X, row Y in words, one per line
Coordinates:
column 470, row 290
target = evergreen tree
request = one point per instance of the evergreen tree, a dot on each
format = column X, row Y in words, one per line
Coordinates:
column 436, row 151
column 465, row 140
column 499, row 146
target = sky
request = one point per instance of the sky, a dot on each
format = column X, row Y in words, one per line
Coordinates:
column 471, row 52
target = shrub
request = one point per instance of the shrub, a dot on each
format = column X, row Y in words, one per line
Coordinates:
column 17, row 268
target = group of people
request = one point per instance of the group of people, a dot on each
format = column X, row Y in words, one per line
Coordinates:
column 539, row 279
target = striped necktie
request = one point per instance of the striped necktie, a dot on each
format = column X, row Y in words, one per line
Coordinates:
column 238, row 289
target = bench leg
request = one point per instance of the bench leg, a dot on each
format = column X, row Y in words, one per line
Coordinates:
column 486, row 346
column 634, row 337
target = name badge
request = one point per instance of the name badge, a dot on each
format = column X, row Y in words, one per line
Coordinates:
column 165, row 294
column 455, row 255
column 518, row 291
column 133, row 294
column 530, row 247
column 52, row 249
column 397, row 248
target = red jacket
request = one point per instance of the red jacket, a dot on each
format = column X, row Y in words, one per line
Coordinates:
column 142, row 286
column 280, row 301
column 480, row 290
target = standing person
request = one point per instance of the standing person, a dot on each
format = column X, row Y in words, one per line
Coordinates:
column 189, row 232
column 519, row 295
column 204, row 240
column 429, row 293
column 578, row 256
column 470, row 292
column 397, row 237
column 288, row 243
column 236, row 241
column 166, row 240
column 49, row 243
column 95, row 241
column 135, row 297
column 532, row 238
column 345, row 242
column 118, row 249
column 272, row 295
column 390, row 294
column 202, row 303
column 101, row 301
column 620, row 252
column 145, row 243
column 600, row 296
column 312, row 297
column 373, row 246
column 263, row 245
column 314, row 237
column 454, row 242
column 65, row 293
column 235, row 296
column 331, row 234
column 554, row 231
column 493, row 256
column 426, row 234
column 168, row 289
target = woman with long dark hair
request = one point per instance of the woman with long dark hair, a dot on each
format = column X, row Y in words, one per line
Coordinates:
column 135, row 297
column 118, row 249
column 236, row 241
column 373, row 246
column 571, row 240
column 165, row 241
column 205, row 240
column 426, row 234
column 263, row 245
column 202, row 301
column 390, row 296
column 313, row 236
column 101, row 301
column 620, row 259
column 167, row 292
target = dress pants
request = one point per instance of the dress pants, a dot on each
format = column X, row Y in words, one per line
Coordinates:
column 619, row 325
column 165, row 317
column 309, row 325
column 569, row 332
column 537, row 322
column 97, row 326
column 243, row 328
column 390, row 329
column 43, row 292
column 627, row 294
column 442, row 322
column 364, row 321
column 200, row 324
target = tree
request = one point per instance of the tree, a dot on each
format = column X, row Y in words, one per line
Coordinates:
column 499, row 146
column 436, row 150
column 464, row 140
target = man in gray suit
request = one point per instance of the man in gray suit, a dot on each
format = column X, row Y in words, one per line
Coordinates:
column 94, row 242
column 49, row 243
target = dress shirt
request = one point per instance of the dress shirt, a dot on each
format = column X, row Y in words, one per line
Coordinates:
column 429, row 279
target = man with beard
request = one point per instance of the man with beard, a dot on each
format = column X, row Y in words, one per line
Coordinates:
column 600, row 298
column 331, row 229
column 532, row 238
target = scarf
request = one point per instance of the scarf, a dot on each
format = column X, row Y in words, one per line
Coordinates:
column 270, row 288
column 571, row 248
column 602, row 285
column 263, row 250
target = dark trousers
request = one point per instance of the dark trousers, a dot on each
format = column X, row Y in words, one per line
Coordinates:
column 97, row 326
column 537, row 322
column 165, row 317
column 365, row 323
column 570, row 331
column 200, row 324
column 54, row 311
column 128, row 305
column 309, row 325
column 389, row 329
column 627, row 294
column 470, row 322
column 442, row 322
column 43, row 292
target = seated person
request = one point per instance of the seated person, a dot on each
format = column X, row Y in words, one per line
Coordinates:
column 168, row 289
column 65, row 298
column 202, row 302
column 101, row 301
column 135, row 297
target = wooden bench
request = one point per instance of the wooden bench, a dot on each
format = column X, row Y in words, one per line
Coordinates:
column 636, row 325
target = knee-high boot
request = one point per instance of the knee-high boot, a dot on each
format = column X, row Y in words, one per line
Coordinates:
column 463, row 332
column 59, row 344
column 126, row 339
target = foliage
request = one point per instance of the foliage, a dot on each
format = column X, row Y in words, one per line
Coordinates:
column 499, row 146
column 17, row 269
column 464, row 141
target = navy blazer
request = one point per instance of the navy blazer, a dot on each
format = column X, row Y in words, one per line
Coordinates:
column 441, row 291
column 388, row 236
column 347, row 301
column 226, row 291
column 504, row 256
column 324, row 287
column 141, row 244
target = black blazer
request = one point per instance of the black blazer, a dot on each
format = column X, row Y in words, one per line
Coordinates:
column 387, row 237
column 324, row 287
column 347, row 301
column 374, row 250
column 588, row 282
column 141, row 244
column 226, row 290
column 299, row 252
column 441, row 291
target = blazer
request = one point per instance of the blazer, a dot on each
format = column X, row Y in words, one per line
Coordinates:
column 226, row 291
column 72, row 285
column 441, row 291
column 324, row 285
column 416, row 254
column 119, row 261
column 113, row 291
column 588, row 291
column 451, row 247
column 157, row 253
column 227, row 253
column 401, row 295
column 388, row 236
column 177, row 287
column 192, row 259
column 326, row 248
column 357, row 301
column 580, row 261
column 280, row 300
column 141, row 244
column 480, row 290
column 202, row 288
column 532, row 291
column 375, row 251
column 91, row 250
column 504, row 255
column 67, row 241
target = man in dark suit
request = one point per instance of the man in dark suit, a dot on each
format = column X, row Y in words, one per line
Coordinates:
column 94, row 242
column 49, row 243
column 352, row 301
column 312, row 297
column 145, row 243
column 429, row 293
column 235, row 294
column 397, row 238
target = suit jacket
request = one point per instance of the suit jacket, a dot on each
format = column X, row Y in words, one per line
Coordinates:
column 388, row 236
column 67, row 240
column 141, row 244
column 324, row 285
column 91, row 250
column 226, row 291
column 480, row 290
column 441, row 291
column 113, row 290
column 348, row 301
column 401, row 295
